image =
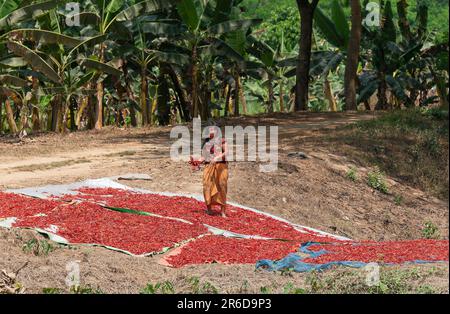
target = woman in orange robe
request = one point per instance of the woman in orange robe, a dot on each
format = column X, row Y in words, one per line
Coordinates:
column 215, row 173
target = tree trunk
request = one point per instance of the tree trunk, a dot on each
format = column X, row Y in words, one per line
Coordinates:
column 227, row 99
column 1, row 115
column 56, row 108
column 184, row 110
column 99, row 107
column 236, row 93
column 306, row 10
column 382, row 90
column 129, row 94
column 35, row 119
column 100, row 93
column 242, row 99
column 329, row 95
column 143, row 98
column 35, row 102
column 81, row 108
column 72, row 115
column 10, row 117
column 271, row 94
column 281, row 97
column 195, row 109
column 351, row 68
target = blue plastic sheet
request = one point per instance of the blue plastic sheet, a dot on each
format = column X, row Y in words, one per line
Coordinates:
column 295, row 262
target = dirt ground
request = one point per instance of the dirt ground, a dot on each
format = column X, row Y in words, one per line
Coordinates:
column 314, row 192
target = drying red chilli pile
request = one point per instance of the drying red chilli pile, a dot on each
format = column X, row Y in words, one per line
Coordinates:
column 392, row 252
column 218, row 249
column 14, row 205
column 239, row 220
column 95, row 216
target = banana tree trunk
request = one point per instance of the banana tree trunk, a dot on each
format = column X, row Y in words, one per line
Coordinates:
column 194, row 73
column 35, row 119
column 35, row 101
column 329, row 95
column 72, row 116
column 62, row 117
column 382, row 93
column 100, row 94
column 184, row 110
column 351, row 68
column 10, row 117
column 129, row 94
column 56, row 104
column 146, row 117
column 227, row 93
column 271, row 94
column 242, row 95
column 81, row 109
column 236, row 93
column 281, row 96
column 1, row 115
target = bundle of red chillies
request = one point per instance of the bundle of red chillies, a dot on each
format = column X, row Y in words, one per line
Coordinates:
column 195, row 164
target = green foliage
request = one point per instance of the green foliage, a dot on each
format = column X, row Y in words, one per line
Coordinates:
column 398, row 200
column 352, row 174
column 38, row 247
column 85, row 290
column 282, row 21
column 392, row 281
column 410, row 145
column 377, row 181
column 197, row 287
column 290, row 289
column 52, row 291
column 165, row 287
column 430, row 230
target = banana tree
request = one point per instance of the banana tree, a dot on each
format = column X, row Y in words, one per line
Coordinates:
column 401, row 64
column 59, row 64
column 153, row 45
column 336, row 32
column 12, row 13
column 105, row 18
column 207, row 24
column 274, row 65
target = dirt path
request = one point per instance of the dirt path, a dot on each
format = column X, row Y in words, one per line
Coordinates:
column 313, row 192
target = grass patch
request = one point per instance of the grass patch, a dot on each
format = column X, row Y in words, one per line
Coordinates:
column 377, row 181
column 391, row 281
column 409, row 145
column 38, row 247
column 73, row 290
column 85, row 290
column 52, row 291
column 122, row 154
column 430, row 231
column 190, row 285
column 51, row 165
column 159, row 288
column 352, row 174
column 398, row 200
